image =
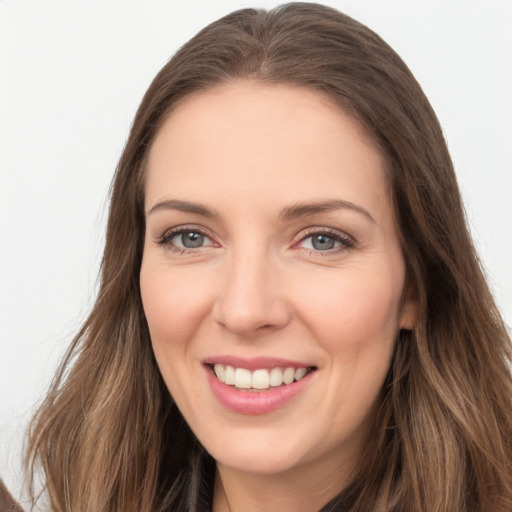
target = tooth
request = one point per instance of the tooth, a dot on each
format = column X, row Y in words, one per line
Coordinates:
column 242, row 378
column 260, row 379
column 276, row 377
column 229, row 375
column 219, row 371
column 300, row 372
column 288, row 375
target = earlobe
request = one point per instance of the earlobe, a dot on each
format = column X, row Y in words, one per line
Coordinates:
column 409, row 313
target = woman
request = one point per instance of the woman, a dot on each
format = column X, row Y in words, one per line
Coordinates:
column 291, row 314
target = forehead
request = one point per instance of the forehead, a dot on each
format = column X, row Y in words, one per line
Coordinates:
column 246, row 138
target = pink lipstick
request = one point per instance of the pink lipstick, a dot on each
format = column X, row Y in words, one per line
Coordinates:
column 256, row 386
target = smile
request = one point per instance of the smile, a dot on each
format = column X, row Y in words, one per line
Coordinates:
column 259, row 379
column 257, row 386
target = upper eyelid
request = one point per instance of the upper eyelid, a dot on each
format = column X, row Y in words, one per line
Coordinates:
column 168, row 234
column 346, row 242
column 187, row 227
column 307, row 232
column 299, row 237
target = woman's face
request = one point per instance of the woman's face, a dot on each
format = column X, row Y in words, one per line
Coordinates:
column 272, row 259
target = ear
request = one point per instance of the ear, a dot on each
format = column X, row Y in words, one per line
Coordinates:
column 409, row 312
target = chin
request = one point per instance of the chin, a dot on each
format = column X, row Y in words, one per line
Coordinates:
column 257, row 462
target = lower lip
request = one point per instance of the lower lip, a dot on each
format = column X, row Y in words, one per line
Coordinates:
column 255, row 402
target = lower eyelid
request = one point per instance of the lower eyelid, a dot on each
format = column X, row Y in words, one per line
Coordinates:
column 166, row 240
column 342, row 242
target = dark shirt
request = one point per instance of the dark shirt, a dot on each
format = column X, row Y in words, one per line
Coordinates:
column 7, row 503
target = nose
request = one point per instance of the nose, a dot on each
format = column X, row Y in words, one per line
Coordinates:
column 251, row 301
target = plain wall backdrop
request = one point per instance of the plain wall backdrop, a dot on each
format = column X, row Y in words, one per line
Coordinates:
column 72, row 74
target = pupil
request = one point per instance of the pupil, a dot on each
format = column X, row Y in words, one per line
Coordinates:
column 323, row 242
column 192, row 240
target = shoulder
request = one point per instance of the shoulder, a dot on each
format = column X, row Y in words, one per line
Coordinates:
column 7, row 503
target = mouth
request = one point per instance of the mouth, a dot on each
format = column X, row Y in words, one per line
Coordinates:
column 258, row 385
column 259, row 379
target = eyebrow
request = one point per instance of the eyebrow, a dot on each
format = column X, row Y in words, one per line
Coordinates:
column 310, row 208
column 182, row 206
column 290, row 212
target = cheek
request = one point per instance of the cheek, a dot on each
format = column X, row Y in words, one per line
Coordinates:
column 356, row 323
column 174, row 304
column 356, row 320
column 358, row 308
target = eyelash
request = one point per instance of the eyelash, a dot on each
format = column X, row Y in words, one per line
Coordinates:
column 346, row 242
column 166, row 239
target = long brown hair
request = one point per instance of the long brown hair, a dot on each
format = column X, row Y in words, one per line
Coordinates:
column 108, row 436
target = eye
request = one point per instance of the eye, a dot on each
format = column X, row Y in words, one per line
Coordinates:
column 321, row 242
column 189, row 240
column 184, row 239
column 326, row 241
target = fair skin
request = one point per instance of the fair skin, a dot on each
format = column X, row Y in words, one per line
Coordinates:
column 271, row 242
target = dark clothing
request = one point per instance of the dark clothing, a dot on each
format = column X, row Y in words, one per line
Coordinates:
column 7, row 503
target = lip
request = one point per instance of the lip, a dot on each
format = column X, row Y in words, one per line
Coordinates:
column 255, row 363
column 255, row 402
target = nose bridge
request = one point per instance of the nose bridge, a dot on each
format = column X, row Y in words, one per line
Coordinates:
column 250, row 298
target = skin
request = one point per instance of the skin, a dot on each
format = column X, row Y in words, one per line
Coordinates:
column 258, row 287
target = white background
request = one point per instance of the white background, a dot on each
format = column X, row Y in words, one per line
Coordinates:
column 71, row 76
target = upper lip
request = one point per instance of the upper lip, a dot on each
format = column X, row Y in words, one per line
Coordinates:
column 255, row 363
